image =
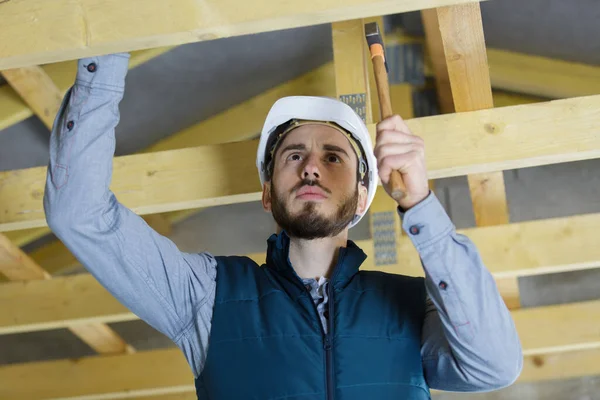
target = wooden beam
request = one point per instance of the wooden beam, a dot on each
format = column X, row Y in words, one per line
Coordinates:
column 527, row 74
column 435, row 48
column 13, row 109
column 457, row 47
column 96, row 378
column 16, row 265
column 529, row 248
column 542, row 76
column 58, row 303
column 136, row 375
column 100, row 28
column 37, row 90
column 458, row 144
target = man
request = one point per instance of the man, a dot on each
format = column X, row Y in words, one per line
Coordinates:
column 307, row 324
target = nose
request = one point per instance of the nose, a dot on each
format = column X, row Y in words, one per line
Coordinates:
column 310, row 169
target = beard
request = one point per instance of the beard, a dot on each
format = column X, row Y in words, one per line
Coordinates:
column 309, row 224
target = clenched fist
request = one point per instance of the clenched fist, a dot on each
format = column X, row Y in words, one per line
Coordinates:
column 396, row 148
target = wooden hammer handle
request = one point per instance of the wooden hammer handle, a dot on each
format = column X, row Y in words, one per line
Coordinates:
column 383, row 91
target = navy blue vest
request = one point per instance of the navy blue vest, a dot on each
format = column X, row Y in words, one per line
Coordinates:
column 267, row 341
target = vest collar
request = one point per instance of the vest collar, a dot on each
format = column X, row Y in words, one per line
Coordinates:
column 349, row 260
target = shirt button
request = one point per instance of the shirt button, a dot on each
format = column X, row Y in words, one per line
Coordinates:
column 414, row 230
column 443, row 285
column 91, row 67
column 308, row 287
column 70, row 125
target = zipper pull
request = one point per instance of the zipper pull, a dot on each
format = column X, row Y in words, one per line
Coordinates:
column 327, row 343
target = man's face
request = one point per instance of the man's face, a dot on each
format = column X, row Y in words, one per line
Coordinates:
column 314, row 191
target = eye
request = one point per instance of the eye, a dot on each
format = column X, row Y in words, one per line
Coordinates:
column 294, row 157
column 332, row 158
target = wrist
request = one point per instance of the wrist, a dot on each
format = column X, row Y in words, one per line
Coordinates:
column 412, row 200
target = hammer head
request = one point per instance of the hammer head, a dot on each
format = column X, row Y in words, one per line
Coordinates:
column 373, row 36
column 372, row 33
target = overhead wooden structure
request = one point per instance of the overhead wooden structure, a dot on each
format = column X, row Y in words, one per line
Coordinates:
column 478, row 141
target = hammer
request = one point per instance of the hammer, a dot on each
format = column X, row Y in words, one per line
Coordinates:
column 383, row 91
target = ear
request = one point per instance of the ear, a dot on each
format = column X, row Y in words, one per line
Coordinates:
column 266, row 196
column 362, row 199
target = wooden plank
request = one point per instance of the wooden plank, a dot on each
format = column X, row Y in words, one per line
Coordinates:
column 37, row 90
column 541, row 76
column 16, row 265
column 96, row 378
column 558, row 328
column 524, row 73
column 458, row 42
column 350, row 66
column 526, row 248
column 13, row 109
column 435, row 49
column 101, row 338
column 567, row 365
column 458, row 144
column 58, row 303
column 137, row 375
column 94, row 28
column 507, row 250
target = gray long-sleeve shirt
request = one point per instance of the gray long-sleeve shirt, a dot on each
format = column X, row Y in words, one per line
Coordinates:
column 469, row 339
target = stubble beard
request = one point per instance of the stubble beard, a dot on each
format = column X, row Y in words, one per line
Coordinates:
column 309, row 224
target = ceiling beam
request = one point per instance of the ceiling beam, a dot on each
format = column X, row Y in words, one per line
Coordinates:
column 136, row 375
column 37, row 90
column 18, row 266
column 458, row 144
column 456, row 46
column 525, row 73
column 527, row 248
column 108, row 27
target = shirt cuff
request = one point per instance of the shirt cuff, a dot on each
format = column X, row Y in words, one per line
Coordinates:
column 426, row 222
column 107, row 71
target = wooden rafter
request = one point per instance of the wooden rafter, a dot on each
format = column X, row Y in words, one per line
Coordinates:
column 457, row 48
column 89, row 28
column 37, row 90
column 458, row 144
column 97, row 378
column 521, row 249
column 18, row 266
column 525, row 73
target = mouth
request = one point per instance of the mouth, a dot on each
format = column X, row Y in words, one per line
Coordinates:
column 311, row 193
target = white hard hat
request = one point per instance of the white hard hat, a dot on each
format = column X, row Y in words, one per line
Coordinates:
column 321, row 109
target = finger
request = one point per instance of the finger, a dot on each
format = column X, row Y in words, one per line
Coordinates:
column 391, row 149
column 387, row 136
column 400, row 162
column 395, row 122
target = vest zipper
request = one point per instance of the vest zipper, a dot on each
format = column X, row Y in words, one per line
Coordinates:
column 328, row 346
